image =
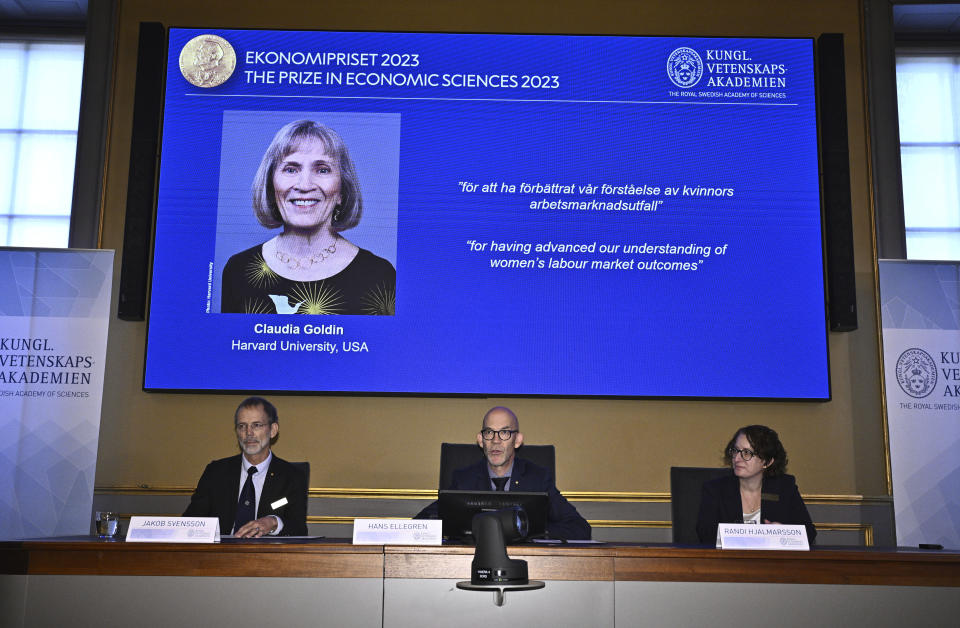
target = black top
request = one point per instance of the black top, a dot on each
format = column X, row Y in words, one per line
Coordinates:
column 780, row 501
column 366, row 286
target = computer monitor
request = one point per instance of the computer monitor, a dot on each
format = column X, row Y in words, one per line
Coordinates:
column 457, row 509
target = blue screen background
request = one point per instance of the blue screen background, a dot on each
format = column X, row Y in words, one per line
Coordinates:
column 748, row 323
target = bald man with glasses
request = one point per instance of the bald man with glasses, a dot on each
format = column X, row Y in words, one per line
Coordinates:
column 501, row 470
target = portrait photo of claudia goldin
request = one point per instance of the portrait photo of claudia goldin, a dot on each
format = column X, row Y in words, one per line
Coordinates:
column 307, row 193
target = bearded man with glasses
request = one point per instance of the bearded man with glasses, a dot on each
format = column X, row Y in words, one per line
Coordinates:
column 254, row 494
column 501, row 470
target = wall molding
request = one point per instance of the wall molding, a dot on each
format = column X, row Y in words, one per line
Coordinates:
column 414, row 493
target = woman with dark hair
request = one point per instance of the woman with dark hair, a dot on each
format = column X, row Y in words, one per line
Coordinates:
column 307, row 185
column 758, row 491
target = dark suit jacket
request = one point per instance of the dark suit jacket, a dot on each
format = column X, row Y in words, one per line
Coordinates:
column 219, row 486
column 563, row 520
column 780, row 501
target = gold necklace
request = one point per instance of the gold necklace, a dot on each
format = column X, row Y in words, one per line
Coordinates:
column 305, row 263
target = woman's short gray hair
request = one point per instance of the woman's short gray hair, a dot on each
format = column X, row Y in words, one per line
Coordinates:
column 288, row 139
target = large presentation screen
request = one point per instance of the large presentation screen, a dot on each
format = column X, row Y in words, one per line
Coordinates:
column 436, row 213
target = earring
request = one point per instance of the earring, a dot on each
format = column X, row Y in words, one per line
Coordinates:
column 337, row 213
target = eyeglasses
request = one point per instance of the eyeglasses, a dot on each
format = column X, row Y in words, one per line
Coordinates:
column 504, row 434
column 746, row 454
column 253, row 427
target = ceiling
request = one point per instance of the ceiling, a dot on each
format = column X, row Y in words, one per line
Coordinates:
column 939, row 20
column 909, row 19
column 27, row 12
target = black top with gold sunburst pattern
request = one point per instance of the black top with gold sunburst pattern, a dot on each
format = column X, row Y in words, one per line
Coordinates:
column 366, row 286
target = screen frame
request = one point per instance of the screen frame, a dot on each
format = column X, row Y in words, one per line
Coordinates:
column 487, row 394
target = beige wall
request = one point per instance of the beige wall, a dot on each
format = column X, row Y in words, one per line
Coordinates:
column 163, row 440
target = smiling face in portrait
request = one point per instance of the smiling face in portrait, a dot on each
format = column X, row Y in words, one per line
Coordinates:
column 307, row 186
column 747, row 469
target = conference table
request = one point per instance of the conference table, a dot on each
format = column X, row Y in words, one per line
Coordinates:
column 84, row 581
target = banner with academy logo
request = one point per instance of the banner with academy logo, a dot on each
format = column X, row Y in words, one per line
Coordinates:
column 751, row 72
column 921, row 349
column 54, row 312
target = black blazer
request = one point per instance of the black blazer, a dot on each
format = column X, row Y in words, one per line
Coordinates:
column 219, row 486
column 563, row 520
column 780, row 501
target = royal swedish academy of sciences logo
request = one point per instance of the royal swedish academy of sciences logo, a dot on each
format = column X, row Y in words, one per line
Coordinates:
column 684, row 67
column 916, row 373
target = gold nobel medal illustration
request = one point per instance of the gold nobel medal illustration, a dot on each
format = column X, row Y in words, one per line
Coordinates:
column 207, row 60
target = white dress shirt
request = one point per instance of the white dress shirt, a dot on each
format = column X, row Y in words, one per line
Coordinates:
column 258, row 479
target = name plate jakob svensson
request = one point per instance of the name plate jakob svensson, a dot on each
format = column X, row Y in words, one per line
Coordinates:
column 174, row 530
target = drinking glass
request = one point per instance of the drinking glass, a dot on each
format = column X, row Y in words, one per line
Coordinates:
column 107, row 524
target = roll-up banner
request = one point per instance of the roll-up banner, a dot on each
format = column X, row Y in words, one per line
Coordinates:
column 921, row 349
column 53, row 336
